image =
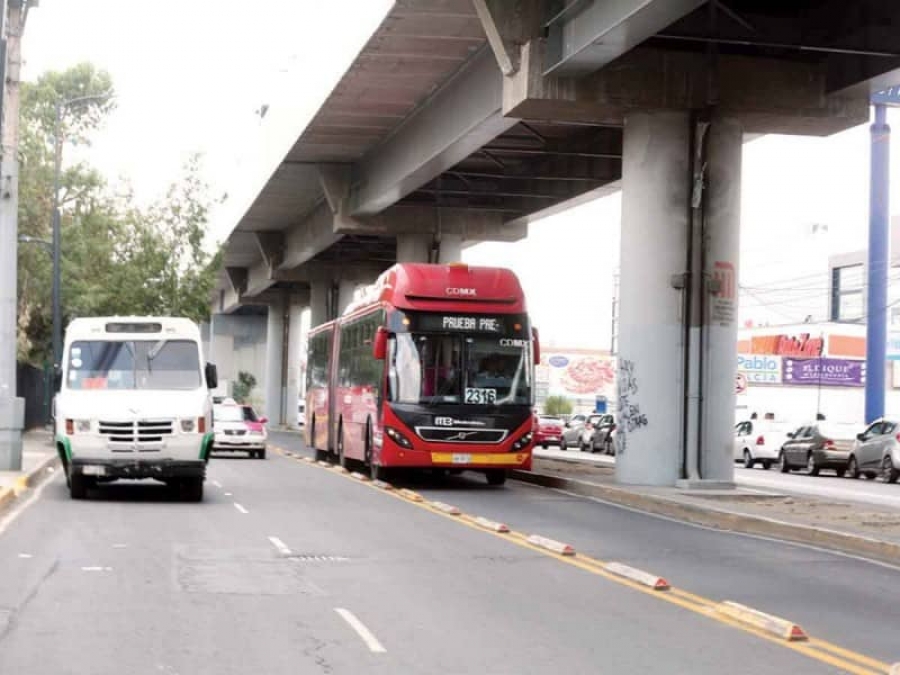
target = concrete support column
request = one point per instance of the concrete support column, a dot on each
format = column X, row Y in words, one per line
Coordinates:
column 294, row 346
column 413, row 248
column 655, row 194
column 450, row 248
column 346, row 289
column 274, row 361
column 721, row 236
column 319, row 291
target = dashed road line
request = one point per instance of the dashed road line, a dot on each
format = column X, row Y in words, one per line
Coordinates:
column 229, row 494
column 240, row 508
column 371, row 641
column 819, row 650
column 216, row 483
column 96, row 568
column 280, row 545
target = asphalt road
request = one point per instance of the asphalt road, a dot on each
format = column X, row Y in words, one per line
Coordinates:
column 289, row 567
column 827, row 485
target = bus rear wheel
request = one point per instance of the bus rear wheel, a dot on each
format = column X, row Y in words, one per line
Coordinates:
column 496, row 476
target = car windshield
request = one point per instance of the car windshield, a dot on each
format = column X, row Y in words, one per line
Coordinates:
column 228, row 413
column 134, row 364
column 432, row 368
column 249, row 414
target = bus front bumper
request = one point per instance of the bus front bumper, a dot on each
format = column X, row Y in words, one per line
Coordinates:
column 161, row 469
column 456, row 459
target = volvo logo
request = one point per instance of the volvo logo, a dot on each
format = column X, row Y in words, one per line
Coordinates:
column 461, row 436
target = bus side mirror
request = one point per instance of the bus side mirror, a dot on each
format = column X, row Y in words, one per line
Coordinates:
column 212, row 376
column 537, row 346
column 379, row 346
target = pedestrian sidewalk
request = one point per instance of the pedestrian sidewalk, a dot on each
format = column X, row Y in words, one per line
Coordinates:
column 38, row 455
column 867, row 530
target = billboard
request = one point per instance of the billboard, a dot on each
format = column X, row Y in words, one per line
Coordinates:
column 825, row 372
column 759, row 368
column 578, row 373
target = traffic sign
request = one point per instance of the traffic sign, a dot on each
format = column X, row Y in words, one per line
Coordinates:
column 740, row 383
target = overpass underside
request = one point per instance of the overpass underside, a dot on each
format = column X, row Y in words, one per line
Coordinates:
column 462, row 120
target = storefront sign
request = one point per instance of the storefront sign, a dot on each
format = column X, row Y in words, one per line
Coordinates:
column 759, row 368
column 803, row 344
column 825, row 372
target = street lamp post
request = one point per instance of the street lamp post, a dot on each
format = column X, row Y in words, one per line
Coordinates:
column 56, row 250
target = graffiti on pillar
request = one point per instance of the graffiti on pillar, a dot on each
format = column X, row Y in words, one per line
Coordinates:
column 630, row 416
column 724, row 300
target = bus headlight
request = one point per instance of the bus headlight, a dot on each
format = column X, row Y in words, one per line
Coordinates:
column 397, row 437
column 522, row 442
column 188, row 425
column 82, row 426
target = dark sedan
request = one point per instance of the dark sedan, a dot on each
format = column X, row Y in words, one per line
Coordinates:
column 818, row 446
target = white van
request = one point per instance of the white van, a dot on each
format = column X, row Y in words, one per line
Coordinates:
column 134, row 402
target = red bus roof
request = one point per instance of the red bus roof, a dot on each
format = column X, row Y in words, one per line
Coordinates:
column 456, row 287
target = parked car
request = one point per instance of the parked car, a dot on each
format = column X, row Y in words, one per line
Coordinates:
column 548, row 431
column 571, row 435
column 817, row 446
column 760, row 441
column 236, row 428
column 877, row 450
column 599, row 434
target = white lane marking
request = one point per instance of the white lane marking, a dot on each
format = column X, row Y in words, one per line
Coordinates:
column 228, row 494
column 96, row 568
column 240, row 508
column 216, row 483
column 371, row 641
column 18, row 509
column 25, row 555
column 280, row 545
column 120, row 545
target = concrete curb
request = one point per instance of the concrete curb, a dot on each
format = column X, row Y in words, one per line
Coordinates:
column 722, row 519
column 31, row 479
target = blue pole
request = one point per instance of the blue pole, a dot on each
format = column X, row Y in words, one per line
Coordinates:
column 879, row 244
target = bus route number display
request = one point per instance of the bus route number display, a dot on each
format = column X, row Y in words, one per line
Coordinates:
column 481, row 396
column 486, row 324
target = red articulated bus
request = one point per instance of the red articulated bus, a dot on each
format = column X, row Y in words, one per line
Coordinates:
column 433, row 367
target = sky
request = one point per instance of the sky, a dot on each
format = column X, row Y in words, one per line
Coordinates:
column 193, row 80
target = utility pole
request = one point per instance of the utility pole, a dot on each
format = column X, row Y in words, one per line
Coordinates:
column 12, row 408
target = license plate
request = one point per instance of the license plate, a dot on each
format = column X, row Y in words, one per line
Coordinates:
column 93, row 470
column 461, row 458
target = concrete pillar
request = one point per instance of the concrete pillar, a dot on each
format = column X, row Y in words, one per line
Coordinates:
column 274, row 361
column 722, row 232
column 450, row 249
column 346, row 289
column 294, row 346
column 413, row 248
column 319, row 290
column 653, row 243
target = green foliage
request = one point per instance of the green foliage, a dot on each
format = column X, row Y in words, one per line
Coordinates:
column 557, row 405
column 242, row 388
column 117, row 258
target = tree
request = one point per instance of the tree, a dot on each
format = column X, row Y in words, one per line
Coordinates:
column 117, row 258
column 243, row 387
column 558, row 405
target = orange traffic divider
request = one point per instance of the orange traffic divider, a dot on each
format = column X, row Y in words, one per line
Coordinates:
column 358, row 476
column 492, row 525
column 308, row 460
column 382, row 485
column 551, row 545
column 446, row 508
column 655, row 582
column 774, row 625
column 410, row 495
column 340, row 469
column 322, row 462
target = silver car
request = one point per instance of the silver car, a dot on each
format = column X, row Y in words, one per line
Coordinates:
column 877, row 451
column 571, row 435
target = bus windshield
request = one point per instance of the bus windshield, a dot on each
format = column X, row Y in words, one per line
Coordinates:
column 430, row 368
column 134, row 364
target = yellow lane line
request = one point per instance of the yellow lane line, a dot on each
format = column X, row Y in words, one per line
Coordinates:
column 820, row 650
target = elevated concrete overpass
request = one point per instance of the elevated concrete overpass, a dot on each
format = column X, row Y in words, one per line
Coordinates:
column 460, row 120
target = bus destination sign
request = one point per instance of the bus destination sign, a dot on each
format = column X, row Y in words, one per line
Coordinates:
column 482, row 324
